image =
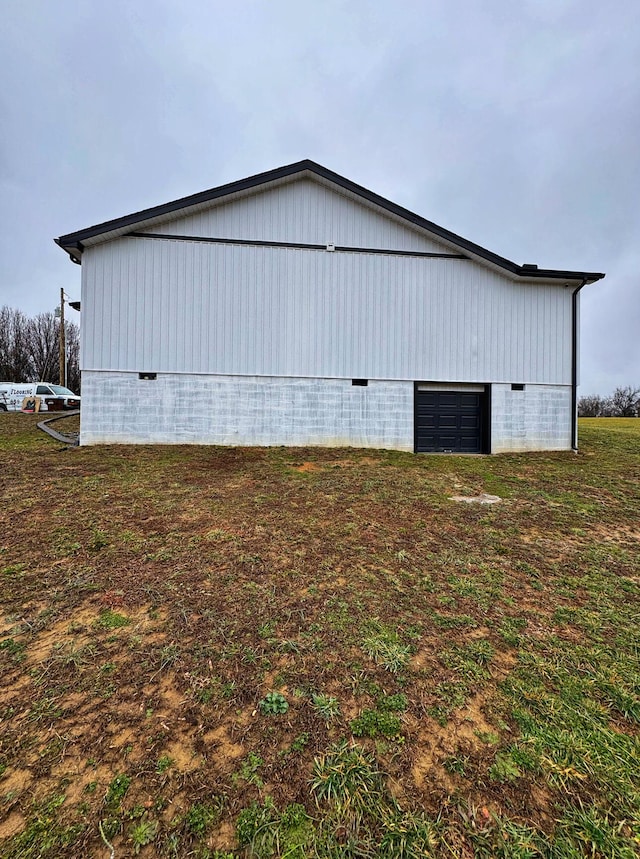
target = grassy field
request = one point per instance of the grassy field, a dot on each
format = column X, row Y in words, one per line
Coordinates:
column 214, row 652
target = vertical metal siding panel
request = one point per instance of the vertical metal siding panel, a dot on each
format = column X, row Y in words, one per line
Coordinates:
column 138, row 269
column 309, row 319
column 273, row 313
column 201, row 312
column 111, row 273
column 405, row 290
column 91, row 312
column 84, row 302
column 563, row 335
column 553, row 310
column 320, row 318
column 340, row 344
column 547, row 357
column 494, row 335
column 163, row 296
column 513, row 312
column 171, row 283
column 449, row 351
column 219, row 298
column 358, row 312
column 446, row 349
column 105, row 276
column 526, row 311
column 170, row 306
column 122, row 276
column 382, row 284
column 141, row 276
column 180, row 309
column 553, row 321
column 294, row 298
column 88, row 298
column 555, row 324
column 122, row 312
column 536, row 335
column 464, row 335
column 300, row 211
column 422, row 288
column 88, row 340
column 498, row 340
column 145, row 279
column 102, row 355
column 239, row 276
column 189, row 330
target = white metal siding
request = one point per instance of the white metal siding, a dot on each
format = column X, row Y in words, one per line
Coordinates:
column 306, row 212
column 186, row 307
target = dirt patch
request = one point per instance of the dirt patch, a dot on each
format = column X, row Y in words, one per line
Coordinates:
column 306, row 467
column 15, row 781
column 63, row 632
column 222, row 749
column 223, row 838
column 12, row 824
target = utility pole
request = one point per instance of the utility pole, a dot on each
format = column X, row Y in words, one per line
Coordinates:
column 61, row 338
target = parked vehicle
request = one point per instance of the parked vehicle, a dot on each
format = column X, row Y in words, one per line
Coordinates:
column 53, row 398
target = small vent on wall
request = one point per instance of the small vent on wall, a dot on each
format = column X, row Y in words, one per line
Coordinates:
column 516, row 387
column 360, row 383
column 148, row 377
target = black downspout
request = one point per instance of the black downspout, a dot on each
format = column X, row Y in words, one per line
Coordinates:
column 574, row 366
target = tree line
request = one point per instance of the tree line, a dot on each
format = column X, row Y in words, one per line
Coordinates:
column 30, row 348
column 623, row 403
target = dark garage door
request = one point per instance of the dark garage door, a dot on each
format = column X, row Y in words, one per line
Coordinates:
column 450, row 421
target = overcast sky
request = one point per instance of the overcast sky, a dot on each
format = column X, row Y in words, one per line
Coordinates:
column 515, row 123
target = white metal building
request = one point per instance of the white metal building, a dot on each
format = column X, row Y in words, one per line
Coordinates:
column 298, row 308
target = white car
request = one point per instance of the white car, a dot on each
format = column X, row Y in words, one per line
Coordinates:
column 53, row 398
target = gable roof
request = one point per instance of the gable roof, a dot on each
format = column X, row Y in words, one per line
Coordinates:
column 74, row 243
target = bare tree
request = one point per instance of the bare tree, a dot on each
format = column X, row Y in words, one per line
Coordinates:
column 15, row 355
column 626, row 402
column 43, row 342
column 29, row 350
column 591, row 407
column 607, row 408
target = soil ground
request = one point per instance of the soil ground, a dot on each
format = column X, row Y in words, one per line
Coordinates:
column 196, row 642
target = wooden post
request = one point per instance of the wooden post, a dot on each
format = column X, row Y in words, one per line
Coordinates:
column 63, row 349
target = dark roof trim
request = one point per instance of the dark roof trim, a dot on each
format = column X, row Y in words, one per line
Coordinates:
column 73, row 241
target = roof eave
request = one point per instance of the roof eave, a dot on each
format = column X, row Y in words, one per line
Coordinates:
column 559, row 274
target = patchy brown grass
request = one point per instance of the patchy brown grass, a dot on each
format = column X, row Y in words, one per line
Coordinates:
column 152, row 596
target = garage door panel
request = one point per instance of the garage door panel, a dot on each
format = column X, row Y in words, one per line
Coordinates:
column 470, row 422
column 450, row 421
column 447, row 400
column 468, row 401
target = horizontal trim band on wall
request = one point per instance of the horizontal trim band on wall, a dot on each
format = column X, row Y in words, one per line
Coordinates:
column 259, row 243
column 347, row 379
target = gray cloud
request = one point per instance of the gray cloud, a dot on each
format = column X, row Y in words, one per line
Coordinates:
column 515, row 125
